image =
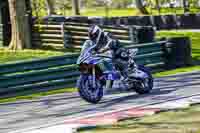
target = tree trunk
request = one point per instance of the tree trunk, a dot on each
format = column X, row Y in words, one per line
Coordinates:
column 141, row 7
column 158, row 6
column 20, row 25
column 186, row 6
column 50, row 7
column 75, row 7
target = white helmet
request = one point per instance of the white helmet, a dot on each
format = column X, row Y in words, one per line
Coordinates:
column 95, row 33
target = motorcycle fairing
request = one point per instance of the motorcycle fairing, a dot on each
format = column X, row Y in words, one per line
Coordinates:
column 138, row 74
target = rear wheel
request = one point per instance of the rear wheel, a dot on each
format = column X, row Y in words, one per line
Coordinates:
column 87, row 91
column 144, row 85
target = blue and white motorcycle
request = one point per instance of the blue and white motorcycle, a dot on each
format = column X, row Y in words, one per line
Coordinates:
column 99, row 71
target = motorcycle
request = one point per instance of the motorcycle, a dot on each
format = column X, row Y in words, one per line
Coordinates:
column 99, row 71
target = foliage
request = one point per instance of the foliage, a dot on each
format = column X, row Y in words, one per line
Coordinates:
column 39, row 8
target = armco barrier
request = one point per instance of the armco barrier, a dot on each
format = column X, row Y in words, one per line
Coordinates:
column 37, row 75
column 61, row 72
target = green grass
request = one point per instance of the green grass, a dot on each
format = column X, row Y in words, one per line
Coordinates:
column 110, row 12
column 176, row 71
column 15, row 56
column 179, row 121
column 165, row 11
column 98, row 11
column 113, row 12
column 101, row 11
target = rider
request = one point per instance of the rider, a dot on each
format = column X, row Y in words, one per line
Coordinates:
column 105, row 43
column 101, row 39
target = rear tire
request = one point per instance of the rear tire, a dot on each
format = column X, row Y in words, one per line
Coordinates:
column 89, row 94
column 143, row 89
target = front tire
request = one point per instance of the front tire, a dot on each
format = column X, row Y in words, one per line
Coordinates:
column 144, row 86
column 87, row 92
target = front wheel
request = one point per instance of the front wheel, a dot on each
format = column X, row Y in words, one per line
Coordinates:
column 144, row 85
column 87, row 91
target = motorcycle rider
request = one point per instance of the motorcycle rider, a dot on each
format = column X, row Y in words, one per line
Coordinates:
column 101, row 39
column 104, row 42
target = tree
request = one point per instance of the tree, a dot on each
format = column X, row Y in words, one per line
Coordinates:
column 75, row 7
column 140, row 4
column 186, row 6
column 145, row 5
column 50, row 7
column 20, row 36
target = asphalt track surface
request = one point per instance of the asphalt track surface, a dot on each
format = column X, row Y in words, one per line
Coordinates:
column 56, row 109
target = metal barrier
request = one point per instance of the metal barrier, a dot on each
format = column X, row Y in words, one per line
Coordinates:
column 44, row 74
column 61, row 71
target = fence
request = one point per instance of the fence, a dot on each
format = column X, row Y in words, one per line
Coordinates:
column 73, row 35
column 1, row 35
column 61, row 72
column 38, row 75
column 161, row 22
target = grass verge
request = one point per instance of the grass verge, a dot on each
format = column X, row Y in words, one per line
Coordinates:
column 116, row 12
column 7, row 55
column 179, row 121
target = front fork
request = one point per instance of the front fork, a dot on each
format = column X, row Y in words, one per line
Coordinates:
column 93, row 77
column 109, row 84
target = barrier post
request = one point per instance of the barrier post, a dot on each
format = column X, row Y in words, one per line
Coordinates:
column 133, row 34
column 66, row 36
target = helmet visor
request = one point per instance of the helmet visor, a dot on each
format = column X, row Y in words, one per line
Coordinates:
column 94, row 36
